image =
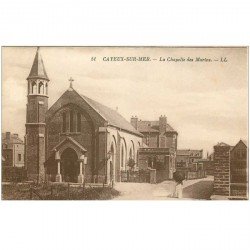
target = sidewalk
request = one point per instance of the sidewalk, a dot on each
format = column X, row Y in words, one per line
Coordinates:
column 161, row 191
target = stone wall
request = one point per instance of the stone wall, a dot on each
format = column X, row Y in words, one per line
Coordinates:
column 222, row 169
column 162, row 175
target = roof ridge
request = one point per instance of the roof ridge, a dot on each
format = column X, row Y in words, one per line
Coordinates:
column 110, row 115
column 85, row 97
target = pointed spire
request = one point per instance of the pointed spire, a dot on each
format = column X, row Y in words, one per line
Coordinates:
column 38, row 69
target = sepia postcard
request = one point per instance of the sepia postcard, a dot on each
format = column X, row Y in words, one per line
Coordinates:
column 124, row 123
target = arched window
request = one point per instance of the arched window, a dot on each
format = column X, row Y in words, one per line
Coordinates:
column 132, row 150
column 78, row 129
column 130, row 154
column 71, row 121
column 33, row 87
column 122, row 157
column 41, row 88
column 64, row 122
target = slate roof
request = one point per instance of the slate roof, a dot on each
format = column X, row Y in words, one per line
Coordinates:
column 38, row 69
column 152, row 126
column 111, row 116
column 188, row 152
column 183, row 152
column 245, row 142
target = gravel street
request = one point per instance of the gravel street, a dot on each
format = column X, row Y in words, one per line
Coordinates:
column 192, row 189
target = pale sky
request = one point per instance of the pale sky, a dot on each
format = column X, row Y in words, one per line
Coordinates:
column 206, row 102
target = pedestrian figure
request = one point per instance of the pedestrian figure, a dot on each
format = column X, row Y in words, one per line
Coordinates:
column 178, row 178
column 178, row 190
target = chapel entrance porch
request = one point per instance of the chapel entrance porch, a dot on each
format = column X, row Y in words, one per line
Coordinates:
column 71, row 161
column 69, row 166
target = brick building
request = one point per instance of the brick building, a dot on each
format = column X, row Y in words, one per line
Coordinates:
column 230, row 170
column 238, row 169
column 157, row 134
column 191, row 163
column 12, row 150
column 160, row 145
column 77, row 138
column 188, row 157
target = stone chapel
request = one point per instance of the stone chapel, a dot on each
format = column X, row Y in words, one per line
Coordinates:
column 77, row 138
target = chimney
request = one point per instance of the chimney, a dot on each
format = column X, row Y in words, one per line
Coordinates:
column 15, row 135
column 7, row 135
column 134, row 122
column 162, row 124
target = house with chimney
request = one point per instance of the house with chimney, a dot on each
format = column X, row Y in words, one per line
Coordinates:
column 12, row 150
column 159, row 146
column 157, row 134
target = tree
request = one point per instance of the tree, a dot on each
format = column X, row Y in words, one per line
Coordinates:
column 131, row 163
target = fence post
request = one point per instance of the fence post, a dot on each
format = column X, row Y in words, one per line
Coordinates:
column 68, row 191
column 83, row 189
column 31, row 194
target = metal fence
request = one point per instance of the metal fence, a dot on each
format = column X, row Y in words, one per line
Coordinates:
column 190, row 175
column 135, row 176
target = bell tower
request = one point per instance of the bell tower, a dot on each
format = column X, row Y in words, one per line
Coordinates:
column 37, row 106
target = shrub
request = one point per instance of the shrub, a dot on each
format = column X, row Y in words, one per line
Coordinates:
column 131, row 163
column 14, row 174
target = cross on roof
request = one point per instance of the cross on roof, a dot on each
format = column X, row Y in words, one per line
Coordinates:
column 71, row 82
